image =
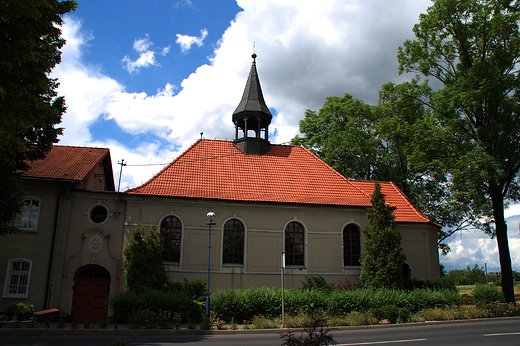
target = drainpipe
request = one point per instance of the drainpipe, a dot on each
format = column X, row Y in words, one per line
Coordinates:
column 56, row 221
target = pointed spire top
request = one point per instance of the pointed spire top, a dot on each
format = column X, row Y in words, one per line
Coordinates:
column 254, row 54
column 253, row 99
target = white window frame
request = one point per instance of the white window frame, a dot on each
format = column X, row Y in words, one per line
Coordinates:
column 17, row 279
column 29, row 210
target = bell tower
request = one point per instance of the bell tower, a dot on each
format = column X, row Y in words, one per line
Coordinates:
column 252, row 117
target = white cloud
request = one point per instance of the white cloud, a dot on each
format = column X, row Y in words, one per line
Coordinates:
column 87, row 90
column 186, row 41
column 474, row 247
column 182, row 4
column 146, row 55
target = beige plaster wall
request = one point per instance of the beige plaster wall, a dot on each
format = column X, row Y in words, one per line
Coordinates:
column 264, row 240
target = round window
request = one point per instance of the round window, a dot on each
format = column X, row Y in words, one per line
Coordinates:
column 99, row 214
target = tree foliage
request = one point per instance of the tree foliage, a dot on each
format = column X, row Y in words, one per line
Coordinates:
column 144, row 267
column 380, row 143
column 382, row 259
column 472, row 47
column 30, row 43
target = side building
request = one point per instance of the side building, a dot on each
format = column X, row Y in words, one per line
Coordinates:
column 70, row 199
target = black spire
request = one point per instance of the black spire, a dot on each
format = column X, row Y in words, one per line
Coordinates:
column 252, row 114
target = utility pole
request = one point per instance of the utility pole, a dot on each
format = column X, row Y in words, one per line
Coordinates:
column 122, row 163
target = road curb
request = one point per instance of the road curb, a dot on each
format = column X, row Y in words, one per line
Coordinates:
column 40, row 332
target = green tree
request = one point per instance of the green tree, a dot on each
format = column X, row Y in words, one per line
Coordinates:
column 472, row 47
column 382, row 259
column 144, row 264
column 378, row 143
column 342, row 134
column 408, row 125
column 468, row 276
column 30, row 43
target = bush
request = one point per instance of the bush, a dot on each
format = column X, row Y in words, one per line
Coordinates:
column 392, row 313
column 316, row 282
column 313, row 302
column 22, row 310
column 442, row 283
column 245, row 304
column 485, row 294
column 125, row 304
column 497, row 309
column 195, row 289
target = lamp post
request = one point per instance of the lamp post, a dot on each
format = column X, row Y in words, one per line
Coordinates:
column 211, row 218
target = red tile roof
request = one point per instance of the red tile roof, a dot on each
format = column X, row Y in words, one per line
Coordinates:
column 405, row 210
column 215, row 169
column 67, row 163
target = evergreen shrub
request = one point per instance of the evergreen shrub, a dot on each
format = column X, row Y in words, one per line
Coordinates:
column 315, row 282
column 23, row 310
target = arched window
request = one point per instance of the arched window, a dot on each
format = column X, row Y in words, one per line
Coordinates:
column 294, row 244
column 233, row 244
column 351, row 245
column 171, row 230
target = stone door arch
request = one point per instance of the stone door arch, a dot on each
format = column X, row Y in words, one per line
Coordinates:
column 91, row 291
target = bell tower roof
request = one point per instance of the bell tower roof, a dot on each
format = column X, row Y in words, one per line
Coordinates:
column 253, row 99
column 252, row 118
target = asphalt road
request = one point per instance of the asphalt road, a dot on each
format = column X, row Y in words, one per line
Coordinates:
column 503, row 332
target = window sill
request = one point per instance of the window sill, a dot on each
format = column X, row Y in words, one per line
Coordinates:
column 14, row 297
column 227, row 265
column 27, row 230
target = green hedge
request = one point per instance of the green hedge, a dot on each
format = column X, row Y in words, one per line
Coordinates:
column 127, row 303
column 245, row 304
column 485, row 294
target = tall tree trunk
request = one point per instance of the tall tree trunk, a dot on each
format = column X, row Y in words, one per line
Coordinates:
column 503, row 245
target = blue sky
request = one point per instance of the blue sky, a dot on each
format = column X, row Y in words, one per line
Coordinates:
column 145, row 78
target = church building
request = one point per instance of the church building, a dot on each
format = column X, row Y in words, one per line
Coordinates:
column 267, row 200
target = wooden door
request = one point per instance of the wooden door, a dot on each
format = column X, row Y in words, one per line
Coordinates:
column 91, row 291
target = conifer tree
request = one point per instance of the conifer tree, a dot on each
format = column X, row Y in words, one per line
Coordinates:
column 382, row 259
column 144, row 267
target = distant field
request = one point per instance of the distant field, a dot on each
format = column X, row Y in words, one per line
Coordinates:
column 465, row 292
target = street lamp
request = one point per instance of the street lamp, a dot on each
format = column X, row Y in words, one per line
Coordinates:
column 211, row 218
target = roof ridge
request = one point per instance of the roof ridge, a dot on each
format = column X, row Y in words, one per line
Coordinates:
column 78, row 146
